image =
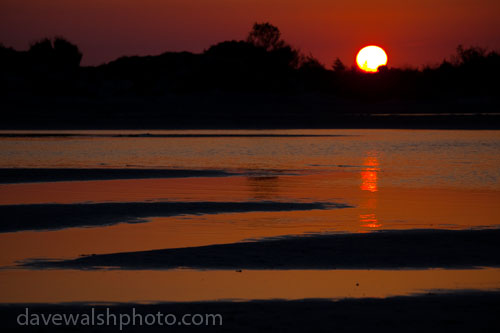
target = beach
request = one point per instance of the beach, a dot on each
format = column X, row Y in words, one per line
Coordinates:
column 342, row 230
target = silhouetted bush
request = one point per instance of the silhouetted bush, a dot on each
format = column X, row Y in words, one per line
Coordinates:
column 66, row 55
column 55, row 55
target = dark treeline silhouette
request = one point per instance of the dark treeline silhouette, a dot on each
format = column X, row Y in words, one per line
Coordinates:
column 237, row 77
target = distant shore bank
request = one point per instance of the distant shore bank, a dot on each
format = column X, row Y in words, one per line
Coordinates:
column 239, row 111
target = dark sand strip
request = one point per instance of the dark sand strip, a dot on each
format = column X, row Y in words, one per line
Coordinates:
column 418, row 249
column 444, row 312
column 58, row 216
column 31, row 175
column 173, row 135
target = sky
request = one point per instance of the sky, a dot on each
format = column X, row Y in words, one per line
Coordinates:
column 413, row 32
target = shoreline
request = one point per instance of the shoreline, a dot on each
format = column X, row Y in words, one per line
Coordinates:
column 60, row 216
column 246, row 111
column 39, row 175
column 388, row 249
column 462, row 311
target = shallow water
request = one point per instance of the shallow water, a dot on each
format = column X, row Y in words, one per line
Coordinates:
column 393, row 179
column 423, row 158
column 192, row 285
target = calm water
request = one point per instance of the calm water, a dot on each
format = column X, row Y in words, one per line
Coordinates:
column 393, row 179
column 457, row 159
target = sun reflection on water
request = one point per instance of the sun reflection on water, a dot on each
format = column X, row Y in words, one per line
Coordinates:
column 369, row 183
column 369, row 220
column 369, row 175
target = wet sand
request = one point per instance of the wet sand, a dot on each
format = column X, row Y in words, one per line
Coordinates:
column 202, row 214
column 32, row 175
column 420, row 249
column 59, row 216
column 431, row 312
column 62, row 134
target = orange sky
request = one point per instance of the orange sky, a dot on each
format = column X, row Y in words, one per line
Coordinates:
column 413, row 32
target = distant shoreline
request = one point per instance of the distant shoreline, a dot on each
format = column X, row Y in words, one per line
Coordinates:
column 245, row 111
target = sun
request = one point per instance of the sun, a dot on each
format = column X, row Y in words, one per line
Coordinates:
column 370, row 58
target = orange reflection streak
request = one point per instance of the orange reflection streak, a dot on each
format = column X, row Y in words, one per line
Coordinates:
column 369, row 221
column 369, row 175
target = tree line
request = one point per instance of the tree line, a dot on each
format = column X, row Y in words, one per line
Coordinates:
column 261, row 63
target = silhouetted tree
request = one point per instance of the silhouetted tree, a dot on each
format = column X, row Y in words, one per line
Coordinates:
column 234, row 65
column 41, row 52
column 471, row 55
column 52, row 66
column 383, row 69
column 11, row 60
column 66, row 53
column 338, row 65
column 267, row 36
column 264, row 62
column 309, row 63
column 59, row 54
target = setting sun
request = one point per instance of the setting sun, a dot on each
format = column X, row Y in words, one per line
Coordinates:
column 370, row 58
